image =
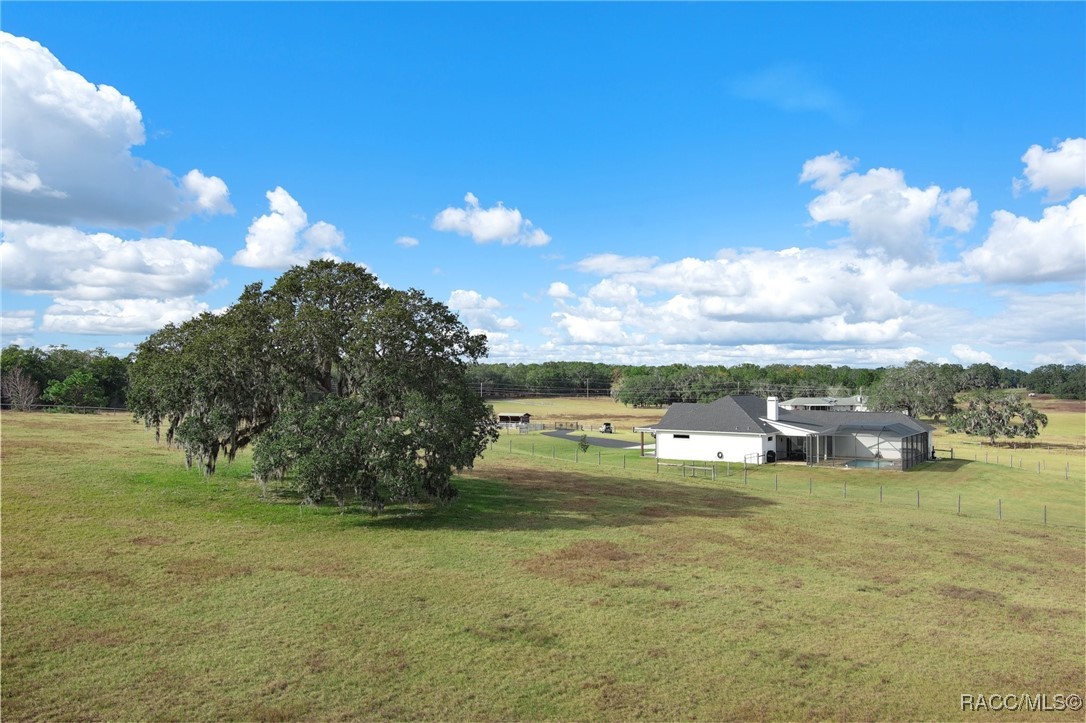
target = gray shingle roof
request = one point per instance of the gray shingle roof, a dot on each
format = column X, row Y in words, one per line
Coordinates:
column 743, row 414
column 829, row 422
column 728, row 414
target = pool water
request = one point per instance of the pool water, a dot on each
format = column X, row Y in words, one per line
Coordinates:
column 868, row 464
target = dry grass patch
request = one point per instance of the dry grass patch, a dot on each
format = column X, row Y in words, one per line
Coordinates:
column 583, row 561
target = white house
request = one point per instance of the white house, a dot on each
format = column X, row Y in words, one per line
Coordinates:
column 751, row 429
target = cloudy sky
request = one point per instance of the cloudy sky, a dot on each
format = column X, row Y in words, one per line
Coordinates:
column 631, row 183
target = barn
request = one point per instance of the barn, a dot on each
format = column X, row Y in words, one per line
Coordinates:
column 514, row 419
column 750, row 429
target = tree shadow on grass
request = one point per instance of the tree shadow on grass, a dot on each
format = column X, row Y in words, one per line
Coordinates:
column 942, row 466
column 540, row 499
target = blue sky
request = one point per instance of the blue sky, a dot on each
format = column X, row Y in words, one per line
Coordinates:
column 851, row 183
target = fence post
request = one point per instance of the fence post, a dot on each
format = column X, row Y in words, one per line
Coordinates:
column 657, row 465
column 1001, row 508
column 623, row 461
column 510, row 445
column 552, row 451
column 744, row 473
column 714, row 473
column 918, row 499
column 599, row 457
column 577, row 455
column 684, row 470
column 775, row 488
column 729, row 472
column 533, row 449
column 1066, row 470
column 846, row 489
column 952, row 453
column 810, row 486
column 959, row 505
column 1046, row 515
column 880, row 494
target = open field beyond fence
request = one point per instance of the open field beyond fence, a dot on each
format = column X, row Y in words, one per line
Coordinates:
column 552, row 588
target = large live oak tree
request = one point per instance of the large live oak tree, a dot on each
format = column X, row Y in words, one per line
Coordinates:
column 349, row 388
column 998, row 415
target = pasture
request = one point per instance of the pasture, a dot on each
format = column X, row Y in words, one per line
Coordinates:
column 559, row 586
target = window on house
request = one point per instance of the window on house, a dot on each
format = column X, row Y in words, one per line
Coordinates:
column 681, row 436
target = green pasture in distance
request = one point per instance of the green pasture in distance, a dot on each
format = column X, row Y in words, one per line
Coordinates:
column 551, row 589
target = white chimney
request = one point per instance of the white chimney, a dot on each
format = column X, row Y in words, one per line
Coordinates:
column 772, row 413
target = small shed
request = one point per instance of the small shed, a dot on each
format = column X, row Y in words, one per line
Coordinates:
column 514, row 419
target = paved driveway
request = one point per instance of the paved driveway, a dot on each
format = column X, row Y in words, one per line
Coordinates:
column 594, row 441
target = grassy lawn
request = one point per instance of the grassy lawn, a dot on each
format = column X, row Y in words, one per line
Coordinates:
column 553, row 588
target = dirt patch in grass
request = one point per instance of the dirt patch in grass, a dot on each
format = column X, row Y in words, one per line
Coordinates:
column 583, row 561
column 315, row 568
column 514, row 626
column 203, row 569
column 150, row 541
column 970, row 594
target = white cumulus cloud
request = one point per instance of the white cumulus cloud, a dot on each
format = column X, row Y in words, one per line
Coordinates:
column 480, row 312
column 496, row 223
column 1021, row 250
column 826, row 304
column 209, row 193
column 67, row 262
column 406, row 242
column 968, row 355
column 559, row 290
column 284, row 236
column 16, row 322
column 1057, row 170
column 67, row 151
column 883, row 213
column 119, row 316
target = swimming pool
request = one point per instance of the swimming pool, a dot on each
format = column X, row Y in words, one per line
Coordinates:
column 869, row 464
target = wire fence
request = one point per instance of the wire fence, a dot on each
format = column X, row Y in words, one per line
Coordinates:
column 848, row 487
column 65, row 409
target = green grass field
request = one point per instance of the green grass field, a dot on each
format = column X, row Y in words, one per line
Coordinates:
column 553, row 588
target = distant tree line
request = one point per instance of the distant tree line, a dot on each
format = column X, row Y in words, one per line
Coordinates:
column 925, row 388
column 62, row 377
column 922, row 388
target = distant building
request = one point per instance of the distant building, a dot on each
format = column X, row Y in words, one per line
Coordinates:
column 514, row 420
column 827, row 404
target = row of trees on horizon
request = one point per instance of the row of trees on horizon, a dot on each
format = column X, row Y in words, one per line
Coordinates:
column 61, row 376
column 657, row 386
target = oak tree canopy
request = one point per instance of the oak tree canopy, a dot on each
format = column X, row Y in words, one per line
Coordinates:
column 355, row 390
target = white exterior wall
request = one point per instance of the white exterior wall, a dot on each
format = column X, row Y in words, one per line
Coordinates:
column 704, row 446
